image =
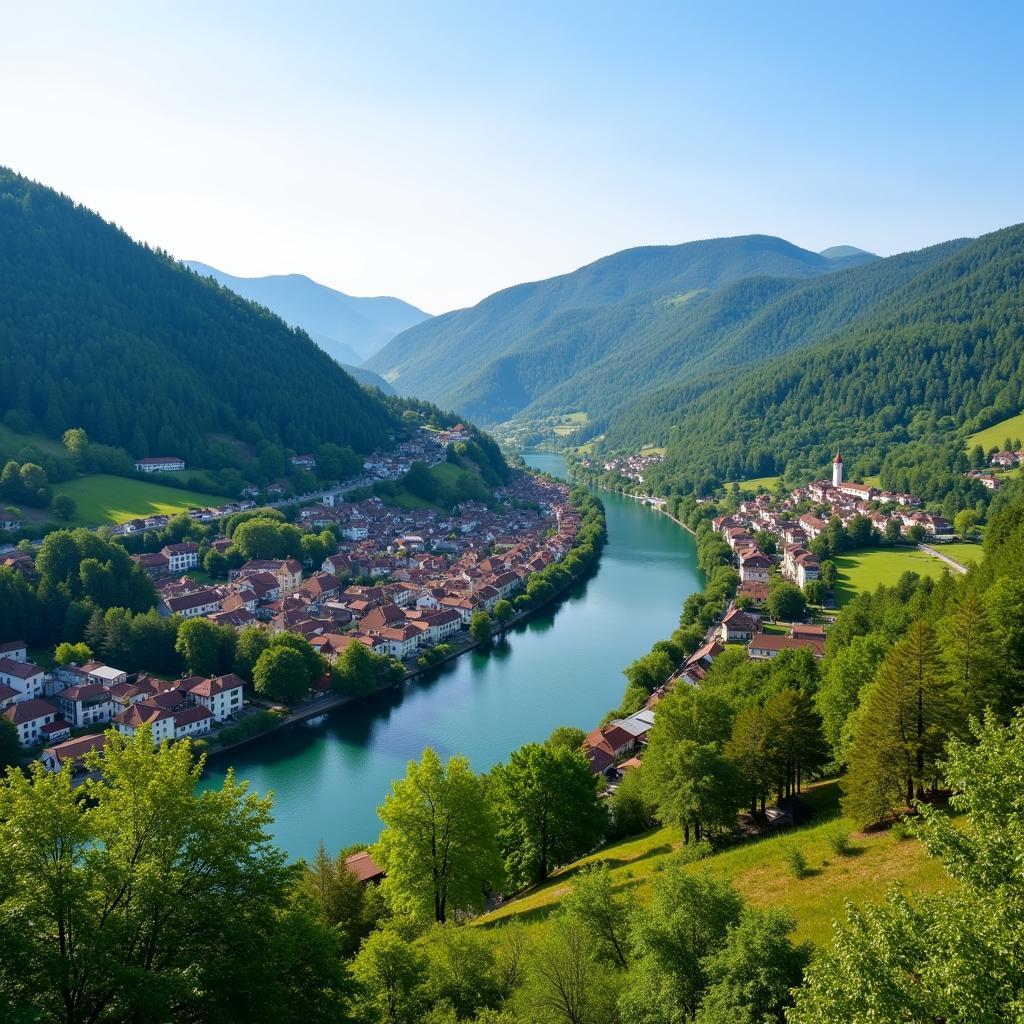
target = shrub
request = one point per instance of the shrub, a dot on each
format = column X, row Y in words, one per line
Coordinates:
column 901, row 831
column 796, row 862
column 840, row 843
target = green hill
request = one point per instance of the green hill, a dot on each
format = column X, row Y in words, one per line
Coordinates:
column 493, row 359
column 100, row 332
column 941, row 354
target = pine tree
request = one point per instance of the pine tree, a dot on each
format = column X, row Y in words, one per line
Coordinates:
column 901, row 726
column 971, row 652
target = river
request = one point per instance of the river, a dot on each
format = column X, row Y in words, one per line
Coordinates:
column 561, row 667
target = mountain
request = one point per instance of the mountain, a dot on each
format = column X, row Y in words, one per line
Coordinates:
column 101, row 332
column 840, row 252
column 938, row 357
column 348, row 327
column 685, row 349
column 494, row 359
column 368, row 378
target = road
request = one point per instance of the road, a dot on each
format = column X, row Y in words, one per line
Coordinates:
column 956, row 566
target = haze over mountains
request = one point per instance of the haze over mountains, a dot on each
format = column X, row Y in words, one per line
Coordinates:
column 348, row 327
column 494, row 360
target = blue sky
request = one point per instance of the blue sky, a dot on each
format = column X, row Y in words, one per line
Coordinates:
column 439, row 152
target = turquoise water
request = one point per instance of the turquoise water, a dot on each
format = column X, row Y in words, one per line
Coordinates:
column 562, row 667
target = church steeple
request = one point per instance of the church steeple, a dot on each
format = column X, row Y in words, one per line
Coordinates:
column 837, row 470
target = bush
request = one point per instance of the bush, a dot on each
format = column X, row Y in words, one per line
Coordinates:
column 693, row 852
column 840, row 843
column 251, row 725
column 901, row 831
column 796, row 862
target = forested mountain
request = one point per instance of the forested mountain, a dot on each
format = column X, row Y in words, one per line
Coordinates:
column 493, row 359
column 349, row 327
column 97, row 331
column 941, row 353
column 368, row 378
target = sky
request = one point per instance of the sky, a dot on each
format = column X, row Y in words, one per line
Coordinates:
column 442, row 151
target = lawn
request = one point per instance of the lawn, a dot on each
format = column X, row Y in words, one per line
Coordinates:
column 759, row 870
column 965, row 554
column 997, row 434
column 570, row 423
column 767, row 482
column 12, row 442
column 865, row 570
column 114, row 499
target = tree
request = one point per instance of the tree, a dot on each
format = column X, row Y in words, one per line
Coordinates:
column 546, row 805
column 251, row 643
column 900, row 727
column 975, row 673
column 828, row 574
column 751, row 977
column 147, row 886
column 814, row 592
column 281, row 674
column 76, row 441
column 503, row 611
column 63, row 506
column 313, row 663
column 592, row 901
column 795, row 728
column 916, row 533
column 356, row 670
column 390, row 972
column 66, row 653
column 964, row 521
column 941, row 958
column 419, row 480
column 569, row 736
column 632, row 810
column 566, row 980
column 439, row 844
column 202, row 644
column 755, row 752
column 481, row 628
column 847, row 671
column 893, row 530
column 785, row 602
column 689, row 918
column 10, row 748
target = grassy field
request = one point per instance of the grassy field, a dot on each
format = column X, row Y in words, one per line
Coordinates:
column 115, row 499
column 997, row 434
column 768, row 482
column 865, row 570
column 759, row 871
column 11, row 442
column 570, row 423
column 965, row 554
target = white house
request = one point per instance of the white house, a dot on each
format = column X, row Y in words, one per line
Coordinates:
column 72, row 751
column 221, row 696
column 181, row 557
column 135, row 716
column 88, row 704
column 16, row 650
column 22, row 676
column 29, row 717
column 160, row 464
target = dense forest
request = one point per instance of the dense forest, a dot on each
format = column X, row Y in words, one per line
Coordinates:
column 97, row 331
column 942, row 354
column 492, row 360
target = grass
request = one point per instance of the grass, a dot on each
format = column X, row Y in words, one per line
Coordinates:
column 12, row 442
column 570, row 423
column 965, row 554
column 866, row 570
column 767, row 482
column 114, row 499
column 995, row 435
column 760, row 871
column 652, row 449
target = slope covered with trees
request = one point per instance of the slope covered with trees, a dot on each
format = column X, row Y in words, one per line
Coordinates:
column 940, row 355
column 97, row 331
column 491, row 360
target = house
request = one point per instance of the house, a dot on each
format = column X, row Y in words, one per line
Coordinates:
column 191, row 606
column 72, row 752
column 22, row 676
column 181, row 557
column 221, row 695
column 87, row 704
column 10, row 524
column 765, row 646
column 136, row 716
column 739, row 625
column 192, row 721
column 160, row 464
column 638, row 725
column 756, row 593
column 28, row 717
column 812, row 525
column 364, row 867
column 303, row 461
column 402, row 640
column 755, row 566
column 15, row 650
column 154, row 563
column 697, row 665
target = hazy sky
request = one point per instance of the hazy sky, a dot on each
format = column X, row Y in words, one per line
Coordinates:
column 440, row 151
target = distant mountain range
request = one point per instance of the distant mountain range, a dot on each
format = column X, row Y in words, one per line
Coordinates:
column 97, row 331
column 348, row 327
column 501, row 357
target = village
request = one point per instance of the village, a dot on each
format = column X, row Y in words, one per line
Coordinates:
column 614, row 748
column 424, row 573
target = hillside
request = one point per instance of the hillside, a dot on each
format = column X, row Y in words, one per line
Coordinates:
column 100, row 332
column 351, row 328
column 939, row 355
column 493, row 359
column 368, row 378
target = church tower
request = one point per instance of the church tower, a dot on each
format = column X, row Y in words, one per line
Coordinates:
column 837, row 470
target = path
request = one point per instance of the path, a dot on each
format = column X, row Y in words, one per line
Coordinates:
column 956, row 566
